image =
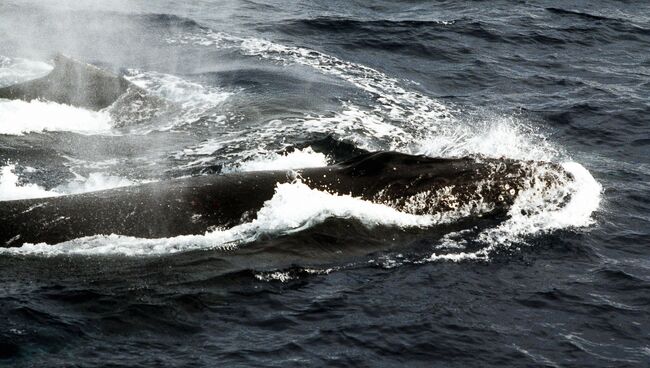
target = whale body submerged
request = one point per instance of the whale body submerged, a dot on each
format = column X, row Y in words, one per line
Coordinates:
column 193, row 205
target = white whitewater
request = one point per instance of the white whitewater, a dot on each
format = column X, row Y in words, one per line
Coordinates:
column 11, row 187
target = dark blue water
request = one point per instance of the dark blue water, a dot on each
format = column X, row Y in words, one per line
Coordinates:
column 562, row 81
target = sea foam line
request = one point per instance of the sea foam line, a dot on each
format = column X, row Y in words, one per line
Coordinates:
column 192, row 99
column 400, row 119
column 395, row 107
column 20, row 117
column 11, row 187
column 17, row 70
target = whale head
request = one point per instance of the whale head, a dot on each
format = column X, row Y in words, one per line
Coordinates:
column 425, row 185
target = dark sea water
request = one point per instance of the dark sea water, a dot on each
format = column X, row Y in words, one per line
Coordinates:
column 322, row 282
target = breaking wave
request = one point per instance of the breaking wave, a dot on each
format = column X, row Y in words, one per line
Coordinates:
column 399, row 118
column 21, row 117
column 190, row 101
column 184, row 102
column 536, row 210
column 298, row 159
column 16, row 70
column 12, row 187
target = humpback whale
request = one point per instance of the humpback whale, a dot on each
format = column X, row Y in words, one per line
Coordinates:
column 193, row 205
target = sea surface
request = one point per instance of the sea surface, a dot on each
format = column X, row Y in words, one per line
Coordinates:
column 319, row 279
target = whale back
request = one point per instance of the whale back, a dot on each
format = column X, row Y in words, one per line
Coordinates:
column 72, row 82
column 384, row 162
column 192, row 205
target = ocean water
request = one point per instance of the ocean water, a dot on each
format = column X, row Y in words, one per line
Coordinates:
column 325, row 279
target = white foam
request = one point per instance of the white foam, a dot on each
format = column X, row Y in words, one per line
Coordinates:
column 366, row 129
column 491, row 136
column 284, row 276
column 251, row 160
column 11, row 188
column 176, row 89
column 409, row 122
column 20, row 117
column 94, row 182
column 297, row 159
column 400, row 119
column 396, row 102
column 193, row 98
column 19, row 70
column 294, row 207
column 397, row 118
column 538, row 210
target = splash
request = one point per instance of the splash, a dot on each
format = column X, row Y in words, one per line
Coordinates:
column 490, row 135
column 536, row 210
column 16, row 70
column 11, row 187
column 397, row 118
column 298, row 159
column 20, row 117
column 190, row 101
